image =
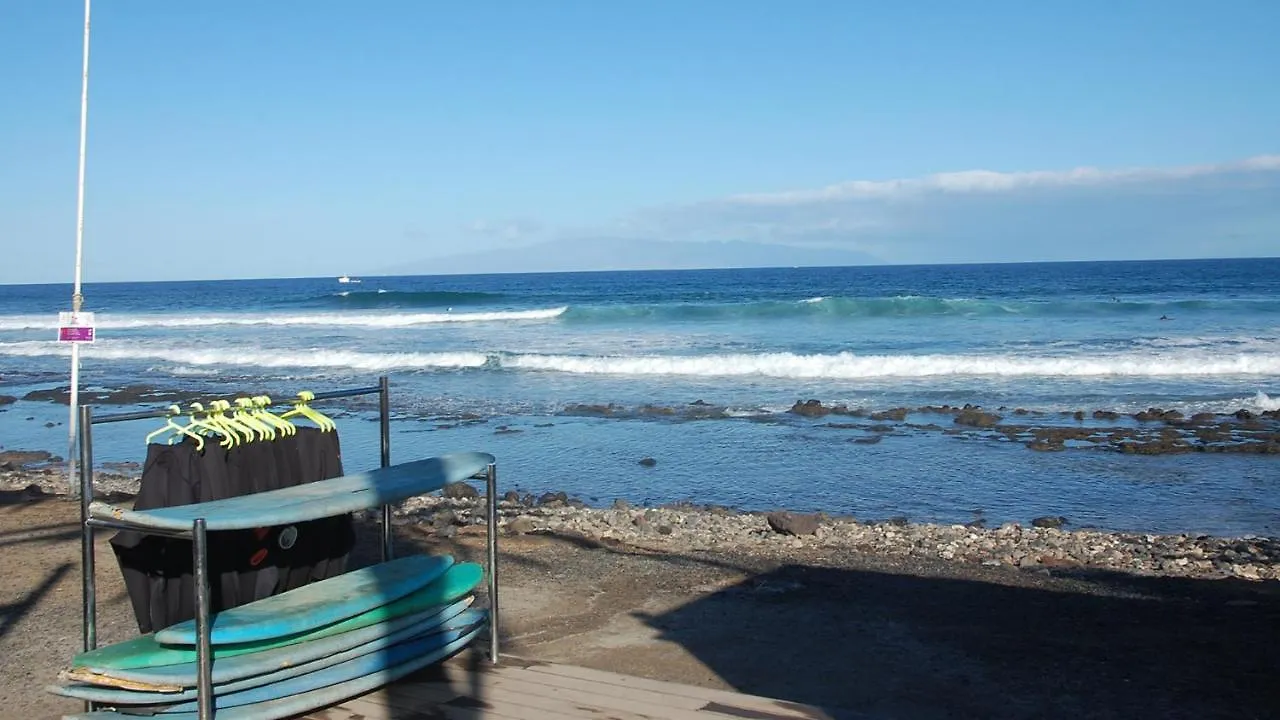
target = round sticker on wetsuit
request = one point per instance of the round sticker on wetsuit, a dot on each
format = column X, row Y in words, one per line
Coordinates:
column 288, row 537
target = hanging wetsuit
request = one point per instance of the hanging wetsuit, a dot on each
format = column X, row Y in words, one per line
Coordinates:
column 244, row 565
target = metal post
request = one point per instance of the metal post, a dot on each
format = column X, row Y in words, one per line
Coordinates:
column 76, row 298
column 87, row 568
column 384, row 417
column 204, row 649
column 491, row 491
column 384, row 425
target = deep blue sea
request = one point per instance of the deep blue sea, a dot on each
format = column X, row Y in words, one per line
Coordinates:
column 492, row 362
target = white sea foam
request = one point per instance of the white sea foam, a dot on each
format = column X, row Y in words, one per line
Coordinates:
column 251, row 357
column 850, row 366
column 1263, row 402
column 842, row 366
column 188, row 371
column 384, row 320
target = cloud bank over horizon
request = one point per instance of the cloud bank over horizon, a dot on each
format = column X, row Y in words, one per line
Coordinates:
column 1227, row 209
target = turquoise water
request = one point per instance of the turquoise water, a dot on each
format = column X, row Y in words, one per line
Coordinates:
column 516, row 350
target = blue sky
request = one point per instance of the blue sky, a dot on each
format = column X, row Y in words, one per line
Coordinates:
column 249, row 139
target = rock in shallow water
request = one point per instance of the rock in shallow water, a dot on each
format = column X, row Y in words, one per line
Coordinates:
column 1049, row 521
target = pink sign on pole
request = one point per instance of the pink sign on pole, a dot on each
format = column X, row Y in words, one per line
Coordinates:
column 75, row 334
column 75, row 327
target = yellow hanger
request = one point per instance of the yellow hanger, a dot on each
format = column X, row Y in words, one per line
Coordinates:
column 260, row 405
column 202, row 423
column 242, row 416
column 302, row 408
column 234, row 420
column 234, row 432
column 209, row 424
column 177, row 429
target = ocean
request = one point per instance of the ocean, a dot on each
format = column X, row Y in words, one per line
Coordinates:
column 571, row 379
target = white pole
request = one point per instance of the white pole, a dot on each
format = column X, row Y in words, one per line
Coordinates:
column 76, row 298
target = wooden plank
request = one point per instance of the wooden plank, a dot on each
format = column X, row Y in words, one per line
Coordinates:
column 562, row 684
column 517, row 703
column 399, row 703
column 729, row 699
column 507, row 692
column 532, row 690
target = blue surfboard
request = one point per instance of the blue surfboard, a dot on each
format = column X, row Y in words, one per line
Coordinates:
column 177, row 682
column 139, row 659
column 309, row 501
column 323, row 688
column 185, row 700
column 316, row 604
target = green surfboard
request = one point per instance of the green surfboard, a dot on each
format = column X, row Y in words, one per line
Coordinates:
column 145, row 651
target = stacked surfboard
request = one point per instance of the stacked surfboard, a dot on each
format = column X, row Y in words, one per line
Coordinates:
column 294, row 652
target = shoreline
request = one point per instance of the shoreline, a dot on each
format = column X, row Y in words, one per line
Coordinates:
column 1041, row 545
column 1150, row 431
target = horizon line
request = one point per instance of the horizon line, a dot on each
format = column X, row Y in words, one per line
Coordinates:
column 658, row 269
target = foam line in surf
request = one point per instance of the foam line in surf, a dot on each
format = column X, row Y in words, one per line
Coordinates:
column 388, row 320
column 837, row 366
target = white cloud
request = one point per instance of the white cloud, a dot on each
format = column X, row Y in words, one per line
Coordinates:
column 988, row 181
column 1229, row 209
column 1233, row 208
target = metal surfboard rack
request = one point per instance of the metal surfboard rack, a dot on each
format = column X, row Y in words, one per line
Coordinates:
column 200, row 549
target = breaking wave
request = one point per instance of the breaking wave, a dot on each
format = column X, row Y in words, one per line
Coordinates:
column 1263, row 402
column 906, row 306
column 848, row 366
column 191, row 357
column 839, row 366
column 395, row 320
column 388, row 310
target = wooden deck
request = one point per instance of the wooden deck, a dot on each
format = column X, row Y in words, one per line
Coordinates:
column 520, row 689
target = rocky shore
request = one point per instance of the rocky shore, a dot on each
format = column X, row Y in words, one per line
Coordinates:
column 1039, row 545
column 1152, row 431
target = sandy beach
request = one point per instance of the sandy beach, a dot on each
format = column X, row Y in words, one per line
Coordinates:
column 859, row 620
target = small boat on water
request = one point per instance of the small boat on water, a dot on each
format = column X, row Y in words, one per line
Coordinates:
column 348, row 279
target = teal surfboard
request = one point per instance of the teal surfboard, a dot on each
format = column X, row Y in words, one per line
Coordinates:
column 284, row 666
column 177, row 682
column 138, row 658
column 309, row 501
column 315, row 604
column 303, row 694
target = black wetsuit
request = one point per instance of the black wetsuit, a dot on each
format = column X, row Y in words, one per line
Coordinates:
column 244, row 565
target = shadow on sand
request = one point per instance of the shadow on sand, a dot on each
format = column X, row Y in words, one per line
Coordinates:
column 865, row 644
column 13, row 612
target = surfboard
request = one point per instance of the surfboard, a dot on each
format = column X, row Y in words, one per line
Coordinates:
column 350, row 667
column 178, row 681
column 309, row 501
column 320, row 689
column 139, row 658
column 284, row 666
column 315, row 604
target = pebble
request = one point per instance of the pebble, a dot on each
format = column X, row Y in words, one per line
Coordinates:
column 693, row 528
